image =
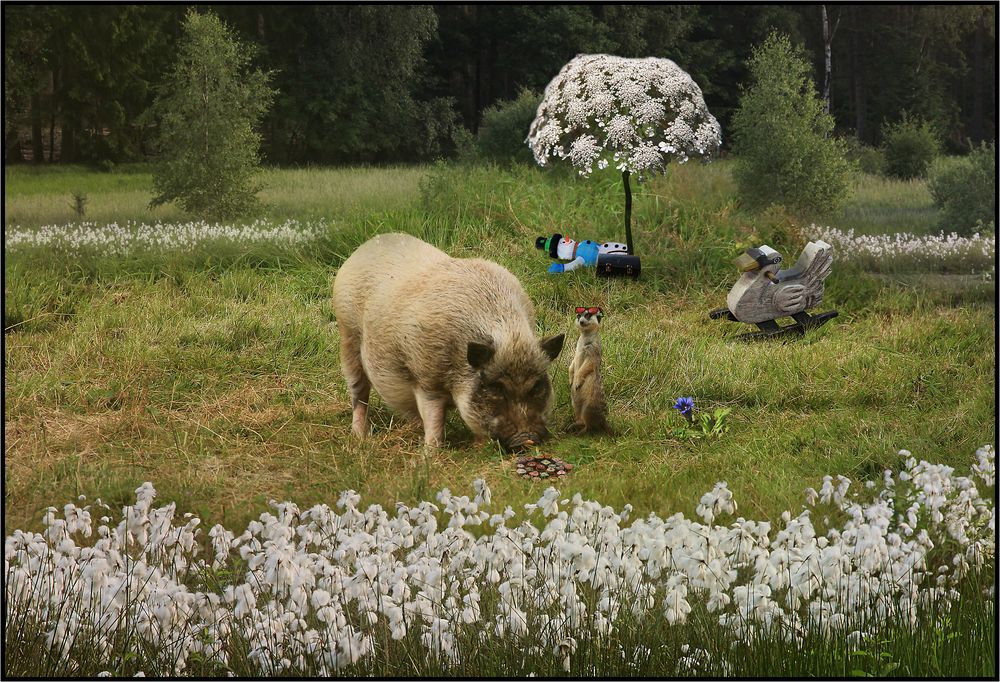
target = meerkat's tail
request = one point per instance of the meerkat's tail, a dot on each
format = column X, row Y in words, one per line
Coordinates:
column 596, row 422
column 603, row 427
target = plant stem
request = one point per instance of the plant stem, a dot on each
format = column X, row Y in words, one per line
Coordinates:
column 628, row 212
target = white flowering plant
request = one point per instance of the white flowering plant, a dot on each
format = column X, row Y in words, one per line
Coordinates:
column 132, row 238
column 904, row 251
column 321, row 590
column 635, row 115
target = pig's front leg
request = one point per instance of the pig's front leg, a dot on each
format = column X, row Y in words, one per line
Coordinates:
column 432, row 409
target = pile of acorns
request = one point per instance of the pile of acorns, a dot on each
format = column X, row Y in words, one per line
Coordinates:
column 542, row 467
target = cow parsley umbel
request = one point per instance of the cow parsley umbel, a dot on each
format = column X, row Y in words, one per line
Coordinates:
column 634, row 114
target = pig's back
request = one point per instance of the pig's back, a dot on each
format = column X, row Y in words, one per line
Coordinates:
column 379, row 262
column 420, row 308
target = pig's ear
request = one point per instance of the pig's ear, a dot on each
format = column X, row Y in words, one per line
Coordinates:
column 551, row 345
column 480, row 353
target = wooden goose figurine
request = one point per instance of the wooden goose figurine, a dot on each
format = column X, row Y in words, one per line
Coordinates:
column 765, row 292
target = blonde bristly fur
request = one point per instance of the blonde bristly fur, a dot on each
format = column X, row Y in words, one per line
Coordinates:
column 407, row 313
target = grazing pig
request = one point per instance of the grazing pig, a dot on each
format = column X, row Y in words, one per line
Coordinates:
column 430, row 332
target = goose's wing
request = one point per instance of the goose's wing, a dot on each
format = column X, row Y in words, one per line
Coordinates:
column 804, row 282
column 790, row 298
column 819, row 266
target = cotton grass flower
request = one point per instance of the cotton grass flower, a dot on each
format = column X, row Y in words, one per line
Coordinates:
column 313, row 590
column 114, row 240
column 919, row 253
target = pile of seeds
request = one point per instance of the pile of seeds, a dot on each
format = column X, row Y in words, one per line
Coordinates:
column 542, row 467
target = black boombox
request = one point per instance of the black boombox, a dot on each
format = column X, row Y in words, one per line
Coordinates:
column 618, row 265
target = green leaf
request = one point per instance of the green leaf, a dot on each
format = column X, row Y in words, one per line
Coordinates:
column 888, row 669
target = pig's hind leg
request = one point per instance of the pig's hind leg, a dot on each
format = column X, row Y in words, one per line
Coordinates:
column 358, row 384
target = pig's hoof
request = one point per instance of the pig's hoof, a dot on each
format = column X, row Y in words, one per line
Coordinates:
column 359, row 421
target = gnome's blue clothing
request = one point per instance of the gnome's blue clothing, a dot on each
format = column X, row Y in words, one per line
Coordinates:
column 586, row 250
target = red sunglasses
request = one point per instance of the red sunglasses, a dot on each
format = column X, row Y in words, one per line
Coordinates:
column 593, row 310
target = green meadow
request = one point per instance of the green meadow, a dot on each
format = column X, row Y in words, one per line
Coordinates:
column 214, row 373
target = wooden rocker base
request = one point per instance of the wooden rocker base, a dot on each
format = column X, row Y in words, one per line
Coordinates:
column 722, row 312
column 770, row 329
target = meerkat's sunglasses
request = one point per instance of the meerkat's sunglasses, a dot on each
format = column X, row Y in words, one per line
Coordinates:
column 593, row 310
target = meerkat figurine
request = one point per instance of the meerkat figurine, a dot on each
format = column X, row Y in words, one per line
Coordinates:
column 590, row 411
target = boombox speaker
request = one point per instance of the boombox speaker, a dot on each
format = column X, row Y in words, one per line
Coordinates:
column 618, row 265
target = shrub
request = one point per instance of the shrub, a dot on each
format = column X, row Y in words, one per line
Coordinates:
column 439, row 132
column 965, row 190
column 504, row 128
column 79, row 204
column 909, row 146
column 207, row 109
column 868, row 159
column 463, row 144
column 781, row 136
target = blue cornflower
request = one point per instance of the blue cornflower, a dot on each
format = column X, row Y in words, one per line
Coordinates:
column 685, row 406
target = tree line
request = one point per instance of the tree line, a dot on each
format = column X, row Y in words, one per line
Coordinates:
column 391, row 83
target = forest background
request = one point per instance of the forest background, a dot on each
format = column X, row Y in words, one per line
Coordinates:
column 409, row 83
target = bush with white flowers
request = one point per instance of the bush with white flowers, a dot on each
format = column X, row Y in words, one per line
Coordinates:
column 314, row 590
column 633, row 114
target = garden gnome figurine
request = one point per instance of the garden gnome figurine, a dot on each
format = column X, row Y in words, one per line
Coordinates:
column 577, row 253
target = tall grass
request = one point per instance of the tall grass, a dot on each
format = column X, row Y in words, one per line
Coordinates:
column 36, row 196
column 881, row 205
column 957, row 643
column 44, row 196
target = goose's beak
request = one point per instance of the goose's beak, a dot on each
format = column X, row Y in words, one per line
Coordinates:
column 746, row 263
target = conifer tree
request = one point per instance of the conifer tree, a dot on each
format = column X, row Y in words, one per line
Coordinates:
column 207, row 110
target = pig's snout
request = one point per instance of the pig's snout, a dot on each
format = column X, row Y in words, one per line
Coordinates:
column 524, row 440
